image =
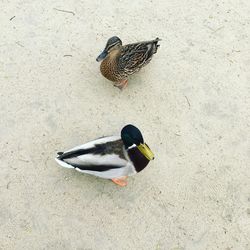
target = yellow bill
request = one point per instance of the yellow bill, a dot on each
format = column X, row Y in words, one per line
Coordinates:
column 146, row 151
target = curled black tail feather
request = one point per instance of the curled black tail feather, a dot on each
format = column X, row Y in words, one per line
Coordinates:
column 59, row 153
column 156, row 44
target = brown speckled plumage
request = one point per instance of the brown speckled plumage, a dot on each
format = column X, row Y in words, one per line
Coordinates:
column 122, row 61
column 109, row 67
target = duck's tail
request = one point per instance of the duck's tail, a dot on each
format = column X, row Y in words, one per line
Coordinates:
column 156, row 44
column 59, row 154
column 61, row 162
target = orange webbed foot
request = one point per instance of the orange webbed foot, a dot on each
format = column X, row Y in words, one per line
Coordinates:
column 120, row 181
column 122, row 84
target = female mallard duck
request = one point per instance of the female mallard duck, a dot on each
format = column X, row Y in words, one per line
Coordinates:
column 118, row 62
column 113, row 157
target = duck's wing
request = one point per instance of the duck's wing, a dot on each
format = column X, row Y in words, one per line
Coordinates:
column 136, row 55
column 96, row 157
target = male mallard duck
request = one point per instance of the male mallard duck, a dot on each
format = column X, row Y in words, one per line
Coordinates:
column 113, row 157
column 118, row 62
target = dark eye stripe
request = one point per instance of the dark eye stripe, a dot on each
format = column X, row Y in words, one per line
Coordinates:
column 112, row 45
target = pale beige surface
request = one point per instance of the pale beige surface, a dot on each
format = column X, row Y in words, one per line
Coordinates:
column 191, row 102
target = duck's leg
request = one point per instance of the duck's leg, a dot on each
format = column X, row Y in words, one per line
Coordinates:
column 122, row 84
column 121, row 181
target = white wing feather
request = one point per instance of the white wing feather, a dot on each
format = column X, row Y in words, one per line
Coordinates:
column 91, row 144
column 126, row 168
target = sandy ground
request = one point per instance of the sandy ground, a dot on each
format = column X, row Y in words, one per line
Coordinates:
column 192, row 103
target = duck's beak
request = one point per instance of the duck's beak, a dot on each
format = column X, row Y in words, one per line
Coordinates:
column 102, row 56
column 146, row 151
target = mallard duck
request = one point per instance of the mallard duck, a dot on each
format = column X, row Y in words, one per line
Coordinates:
column 112, row 157
column 118, row 62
